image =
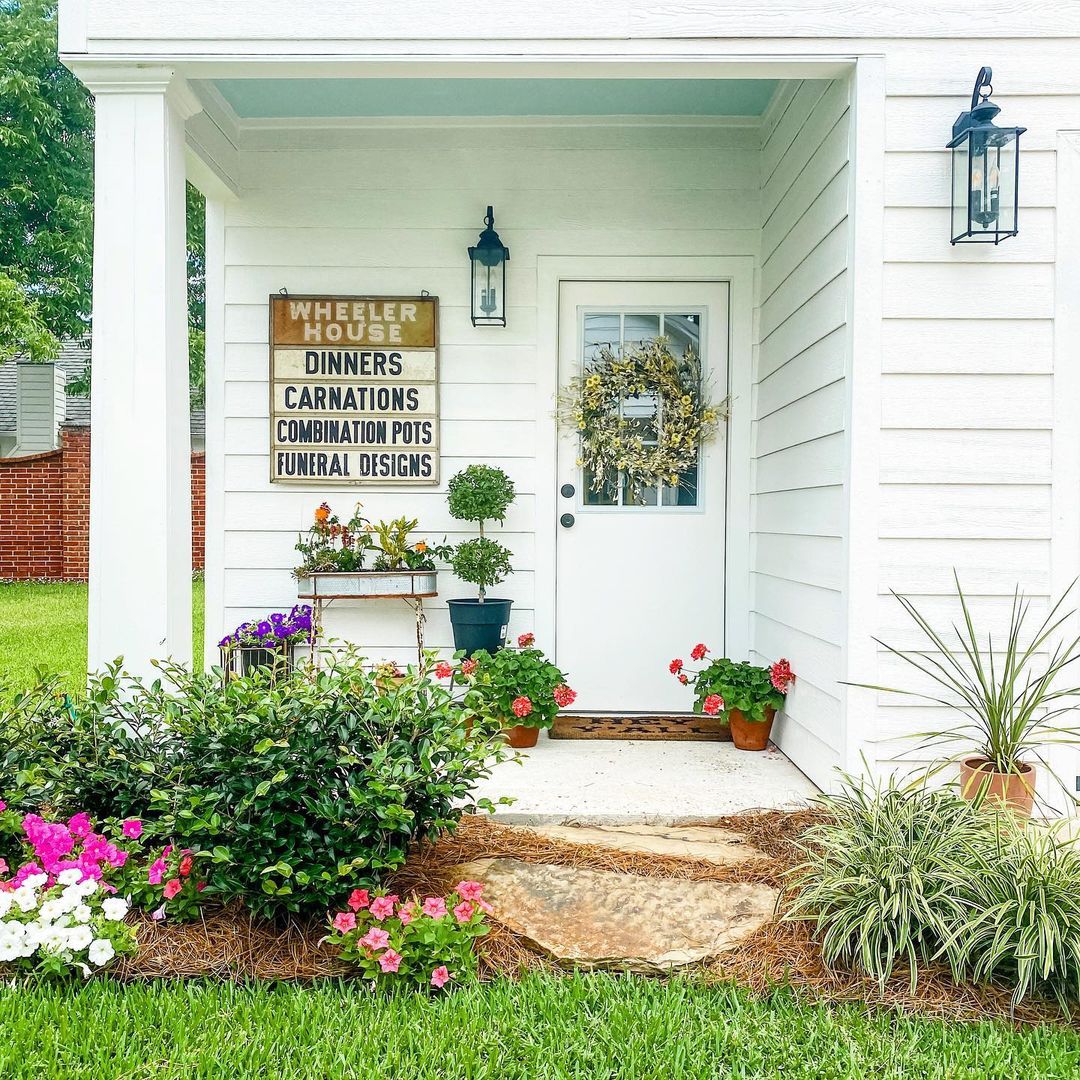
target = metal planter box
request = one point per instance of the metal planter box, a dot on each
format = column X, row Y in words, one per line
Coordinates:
column 369, row 585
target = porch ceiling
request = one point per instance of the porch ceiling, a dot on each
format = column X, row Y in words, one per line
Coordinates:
column 265, row 98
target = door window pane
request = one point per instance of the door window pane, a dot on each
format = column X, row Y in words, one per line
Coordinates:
column 642, row 414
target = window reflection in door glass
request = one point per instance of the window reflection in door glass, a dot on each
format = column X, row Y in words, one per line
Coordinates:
column 639, row 327
column 683, row 332
column 600, row 331
column 604, row 494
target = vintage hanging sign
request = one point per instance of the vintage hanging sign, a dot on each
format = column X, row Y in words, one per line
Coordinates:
column 354, row 389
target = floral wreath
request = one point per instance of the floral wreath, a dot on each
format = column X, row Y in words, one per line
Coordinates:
column 592, row 403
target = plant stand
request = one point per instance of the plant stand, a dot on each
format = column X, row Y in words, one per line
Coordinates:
column 412, row 587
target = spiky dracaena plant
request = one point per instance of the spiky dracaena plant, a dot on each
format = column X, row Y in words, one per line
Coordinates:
column 883, row 879
column 1009, row 693
column 1024, row 930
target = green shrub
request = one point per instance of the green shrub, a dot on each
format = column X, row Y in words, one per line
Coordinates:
column 1024, row 926
column 291, row 790
column 885, row 879
column 481, row 562
column 519, row 686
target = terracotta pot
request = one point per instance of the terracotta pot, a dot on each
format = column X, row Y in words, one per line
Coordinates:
column 750, row 734
column 1015, row 791
column 521, row 737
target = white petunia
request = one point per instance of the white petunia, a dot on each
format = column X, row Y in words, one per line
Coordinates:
column 5, row 903
column 8, row 951
column 35, row 881
column 50, row 910
column 25, row 898
column 114, row 909
column 82, row 914
column 101, row 951
column 78, row 937
column 71, row 876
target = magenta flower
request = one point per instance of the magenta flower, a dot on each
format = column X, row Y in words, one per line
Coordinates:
column 80, row 825
column 375, row 938
column 132, row 828
column 156, row 871
column 434, row 907
column 390, row 961
column 344, row 921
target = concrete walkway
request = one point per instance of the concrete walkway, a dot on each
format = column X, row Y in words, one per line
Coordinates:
column 597, row 782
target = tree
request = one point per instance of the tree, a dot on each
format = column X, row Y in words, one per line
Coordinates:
column 46, row 169
column 47, row 198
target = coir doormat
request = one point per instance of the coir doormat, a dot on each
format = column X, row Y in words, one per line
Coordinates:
column 697, row 728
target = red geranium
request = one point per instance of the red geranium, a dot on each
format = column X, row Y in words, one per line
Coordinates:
column 698, row 652
column 712, row 704
column 675, row 667
column 781, row 675
column 521, row 707
column 443, row 670
column 564, row 696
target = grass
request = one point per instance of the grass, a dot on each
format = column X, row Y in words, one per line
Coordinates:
column 585, row 1026
column 44, row 625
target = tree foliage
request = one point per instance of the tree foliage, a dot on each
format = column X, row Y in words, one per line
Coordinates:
column 22, row 330
column 46, row 169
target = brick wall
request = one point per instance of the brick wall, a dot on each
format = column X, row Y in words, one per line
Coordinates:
column 45, row 512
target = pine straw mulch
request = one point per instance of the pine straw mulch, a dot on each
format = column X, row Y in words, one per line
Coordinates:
column 230, row 943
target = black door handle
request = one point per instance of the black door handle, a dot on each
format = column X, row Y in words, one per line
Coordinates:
column 567, row 521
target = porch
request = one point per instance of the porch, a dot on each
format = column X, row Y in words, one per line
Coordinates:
column 609, row 782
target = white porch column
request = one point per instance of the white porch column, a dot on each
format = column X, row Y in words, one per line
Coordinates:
column 140, row 466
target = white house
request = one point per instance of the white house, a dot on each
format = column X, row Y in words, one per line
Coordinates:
column 770, row 175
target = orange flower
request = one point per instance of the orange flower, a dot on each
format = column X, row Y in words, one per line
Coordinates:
column 322, row 513
column 421, row 547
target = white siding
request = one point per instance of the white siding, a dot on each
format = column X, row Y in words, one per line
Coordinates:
column 798, row 515
column 391, row 210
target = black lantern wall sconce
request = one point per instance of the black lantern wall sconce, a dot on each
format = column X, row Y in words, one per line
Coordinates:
column 985, row 171
column 489, row 258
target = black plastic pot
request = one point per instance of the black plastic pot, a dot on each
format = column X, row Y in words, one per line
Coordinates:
column 479, row 626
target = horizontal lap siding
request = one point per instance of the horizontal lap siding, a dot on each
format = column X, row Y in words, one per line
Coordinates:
column 392, row 211
column 967, row 384
column 799, row 401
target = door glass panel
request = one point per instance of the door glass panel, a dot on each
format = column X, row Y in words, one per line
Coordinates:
column 642, row 413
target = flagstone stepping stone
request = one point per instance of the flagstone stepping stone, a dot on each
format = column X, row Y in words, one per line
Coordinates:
column 598, row 919
column 682, row 841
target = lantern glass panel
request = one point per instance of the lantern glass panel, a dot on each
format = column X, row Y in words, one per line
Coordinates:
column 985, row 187
column 489, row 288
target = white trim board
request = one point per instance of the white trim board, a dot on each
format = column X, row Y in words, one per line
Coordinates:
column 738, row 271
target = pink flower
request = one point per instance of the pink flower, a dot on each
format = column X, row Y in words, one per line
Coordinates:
column 469, row 890
column 485, row 907
column 698, row 652
column 563, row 696
column 382, row 907
column 521, row 707
column 80, row 825
column 132, row 828
column 440, row 977
column 3, row 866
column 172, row 888
column 375, row 938
column 159, row 914
column 156, row 872
column 712, row 704
column 200, row 886
column 358, row 899
column 3, row 806
column 464, row 911
column 526, row 641
column 407, row 912
column 781, row 675
column 443, row 670
column 344, row 921
column 185, row 866
column 434, row 907
column 468, row 667
column 683, row 678
column 390, row 961
column 675, row 666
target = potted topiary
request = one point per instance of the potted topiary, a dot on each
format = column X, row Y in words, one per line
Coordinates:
column 520, row 688
column 480, row 493
column 747, row 695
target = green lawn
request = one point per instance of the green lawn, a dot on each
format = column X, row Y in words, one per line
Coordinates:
column 583, row 1027
column 44, row 625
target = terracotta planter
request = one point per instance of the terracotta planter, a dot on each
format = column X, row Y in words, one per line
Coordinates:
column 1014, row 791
column 521, row 737
column 750, row 734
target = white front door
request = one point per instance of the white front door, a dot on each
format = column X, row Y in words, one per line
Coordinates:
column 640, row 579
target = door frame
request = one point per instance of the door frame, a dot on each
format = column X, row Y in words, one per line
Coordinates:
column 737, row 271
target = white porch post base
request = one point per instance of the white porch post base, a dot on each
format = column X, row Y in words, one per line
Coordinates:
column 140, row 466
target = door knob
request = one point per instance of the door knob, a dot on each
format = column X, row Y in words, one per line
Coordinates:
column 567, row 521
column 567, row 491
